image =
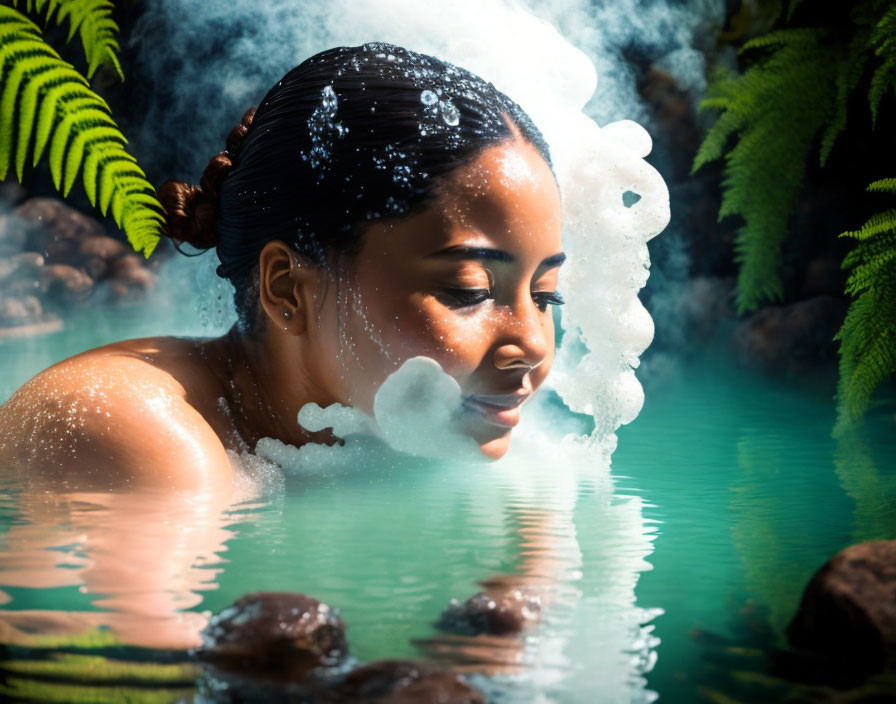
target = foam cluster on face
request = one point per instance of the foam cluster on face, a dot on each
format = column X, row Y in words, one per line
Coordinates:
column 414, row 413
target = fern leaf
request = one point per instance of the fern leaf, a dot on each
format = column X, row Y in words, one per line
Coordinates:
column 82, row 140
column 39, row 83
column 76, row 123
column 92, row 21
column 765, row 167
column 849, row 72
column 868, row 335
column 80, row 110
column 883, row 41
column 884, row 185
column 51, row 106
column 116, row 168
column 802, row 38
column 875, row 225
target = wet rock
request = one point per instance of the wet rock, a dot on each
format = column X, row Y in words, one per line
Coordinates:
column 65, row 284
column 24, row 265
column 672, row 109
column 275, row 632
column 502, row 612
column 20, row 311
column 823, row 276
column 129, row 278
column 403, row 682
column 54, row 229
column 846, row 622
column 97, row 255
column 793, row 339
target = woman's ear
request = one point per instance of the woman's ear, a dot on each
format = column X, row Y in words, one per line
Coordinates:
column 287, row 284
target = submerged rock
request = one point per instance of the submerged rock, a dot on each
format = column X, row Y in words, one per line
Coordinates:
column 285, row 647
column 504, row 612
column 275, row 632
column 403, row 682
column 846, row 622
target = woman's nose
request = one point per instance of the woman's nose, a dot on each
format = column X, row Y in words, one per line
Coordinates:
column 523, row 342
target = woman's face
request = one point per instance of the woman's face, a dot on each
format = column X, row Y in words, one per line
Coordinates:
column 469, row 281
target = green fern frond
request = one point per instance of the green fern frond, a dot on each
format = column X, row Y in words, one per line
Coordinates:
column 875, row 225
column 883, row 41
column 44, row 96
column 92, row 21
column 849, row 73
column 802, row 38
column 884, row 185
column 868, row 335
column 765, row 168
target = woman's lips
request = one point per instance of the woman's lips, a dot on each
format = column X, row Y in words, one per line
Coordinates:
column 498, row 409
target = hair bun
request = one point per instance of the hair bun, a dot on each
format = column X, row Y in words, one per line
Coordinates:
column 191, row 210
column 238, row 133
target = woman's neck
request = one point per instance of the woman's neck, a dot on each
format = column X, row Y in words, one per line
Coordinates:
column 268, row 385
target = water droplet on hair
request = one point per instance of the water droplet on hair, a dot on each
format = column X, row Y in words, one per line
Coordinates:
column 450, row 113
column 427, row 97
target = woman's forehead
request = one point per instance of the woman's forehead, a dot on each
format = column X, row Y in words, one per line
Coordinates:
column 507, row 194
column 505, row 199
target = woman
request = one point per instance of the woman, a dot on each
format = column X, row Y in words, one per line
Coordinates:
column 379, row 205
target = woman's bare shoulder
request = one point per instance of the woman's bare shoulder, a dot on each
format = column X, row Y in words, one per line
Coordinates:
column 118, row 414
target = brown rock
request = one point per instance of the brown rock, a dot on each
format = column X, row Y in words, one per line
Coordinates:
column 496, row 612
column 129, row 277
column 64, row 283
column 275, row 632
column 404, row 682
column 824, row 276
column 847, row 616
column 55, row 229
column 792, row 339
column 96, row 255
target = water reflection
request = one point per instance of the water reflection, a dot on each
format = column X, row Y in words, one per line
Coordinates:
column 388, row 545
column 129, row 566
column 872, row 491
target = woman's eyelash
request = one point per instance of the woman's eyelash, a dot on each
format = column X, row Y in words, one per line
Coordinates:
column 543, row 299
column 462, row 297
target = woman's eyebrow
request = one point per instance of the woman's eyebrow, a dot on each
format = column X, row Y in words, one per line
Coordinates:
column 496, row 255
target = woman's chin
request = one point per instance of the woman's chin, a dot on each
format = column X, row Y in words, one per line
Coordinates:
column 495, row 448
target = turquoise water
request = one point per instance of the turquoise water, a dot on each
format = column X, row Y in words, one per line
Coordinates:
column 725, row 495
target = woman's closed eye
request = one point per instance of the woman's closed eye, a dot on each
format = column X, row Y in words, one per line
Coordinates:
column 465, row 297
column 543, row 299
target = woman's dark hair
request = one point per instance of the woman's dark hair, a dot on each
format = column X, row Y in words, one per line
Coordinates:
column 350, row 135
